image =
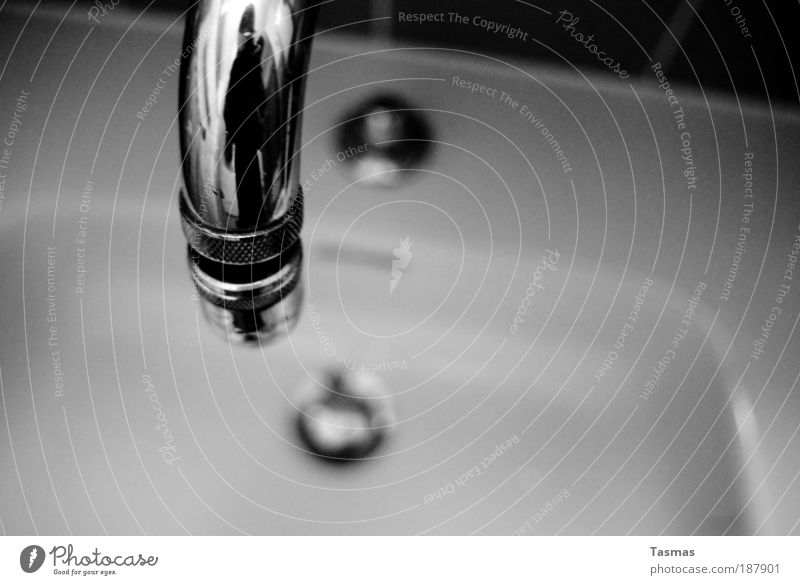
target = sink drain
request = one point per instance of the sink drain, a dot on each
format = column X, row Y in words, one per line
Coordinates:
column 344, row 415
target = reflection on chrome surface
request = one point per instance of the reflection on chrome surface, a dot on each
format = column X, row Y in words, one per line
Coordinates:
column 243, row 73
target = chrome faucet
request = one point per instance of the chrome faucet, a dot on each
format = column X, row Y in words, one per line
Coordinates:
column 243, row 73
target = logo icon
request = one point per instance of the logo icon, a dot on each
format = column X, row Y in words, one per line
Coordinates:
column 31, row 558
column 402, row 256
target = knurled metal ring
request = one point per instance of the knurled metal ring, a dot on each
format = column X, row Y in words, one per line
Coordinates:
column 255, row 296
column 243, row 248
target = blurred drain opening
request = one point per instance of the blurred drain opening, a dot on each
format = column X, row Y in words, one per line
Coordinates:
column 344, row 417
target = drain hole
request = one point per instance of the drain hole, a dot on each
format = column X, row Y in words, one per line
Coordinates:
column 345, row 419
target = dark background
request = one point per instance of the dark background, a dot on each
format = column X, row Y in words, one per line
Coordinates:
column 711, row 52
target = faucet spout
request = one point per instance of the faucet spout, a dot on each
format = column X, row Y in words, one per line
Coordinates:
column 243, row 70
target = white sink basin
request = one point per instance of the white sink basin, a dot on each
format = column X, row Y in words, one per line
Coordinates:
column 582, row 404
